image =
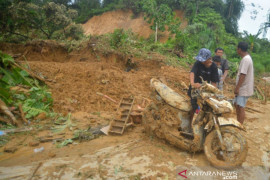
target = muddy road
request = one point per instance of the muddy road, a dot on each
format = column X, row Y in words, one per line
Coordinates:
column 134, row 156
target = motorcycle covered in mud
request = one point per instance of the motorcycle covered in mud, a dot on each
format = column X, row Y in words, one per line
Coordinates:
column 213, row 129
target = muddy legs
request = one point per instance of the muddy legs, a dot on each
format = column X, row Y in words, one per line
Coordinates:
column 240, row 112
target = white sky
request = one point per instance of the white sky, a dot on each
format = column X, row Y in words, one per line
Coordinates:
column 251, row 21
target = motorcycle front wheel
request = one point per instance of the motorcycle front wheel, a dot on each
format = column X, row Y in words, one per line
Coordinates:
column 235, row 145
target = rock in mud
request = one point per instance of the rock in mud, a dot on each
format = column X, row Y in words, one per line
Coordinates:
column 51, row 155
column 10, row 149
column 41, row 116
column 33, row 143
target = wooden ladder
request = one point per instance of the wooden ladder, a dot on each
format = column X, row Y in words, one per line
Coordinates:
column 118, row 125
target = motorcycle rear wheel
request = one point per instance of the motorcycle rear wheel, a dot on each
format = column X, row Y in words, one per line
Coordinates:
column 235, row 144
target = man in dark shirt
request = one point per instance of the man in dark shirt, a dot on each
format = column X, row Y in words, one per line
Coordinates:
column 207, row 70
column 224, row 63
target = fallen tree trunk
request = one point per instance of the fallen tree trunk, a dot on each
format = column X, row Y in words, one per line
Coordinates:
column 5, row 110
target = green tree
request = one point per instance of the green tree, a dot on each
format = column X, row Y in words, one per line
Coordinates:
column 266, row 24
column 6, row 22
column 108, row 2
column 214, row 23
column 86, row 9
column 232, row 13
column 159, row 16
column 26, row 19
column 134, row 5
column 230, row 10
column 57, row 17
column 193, row 7
column 29, row 20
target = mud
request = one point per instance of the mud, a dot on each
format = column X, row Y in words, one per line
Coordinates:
column 162, row 120
column 74, row 88
column 126, row 20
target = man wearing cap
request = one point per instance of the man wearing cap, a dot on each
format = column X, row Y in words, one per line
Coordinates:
column 207, row 70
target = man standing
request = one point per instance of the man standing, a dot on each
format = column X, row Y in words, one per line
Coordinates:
column 224, row 63
column 217, row 61
column 244, row 81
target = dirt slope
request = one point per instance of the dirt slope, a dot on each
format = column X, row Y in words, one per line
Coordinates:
column 77, row 77
column 107, row 22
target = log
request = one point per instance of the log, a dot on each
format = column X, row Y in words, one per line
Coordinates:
column 17, row 130
column 22, row 114
column 49, row 139
column 5, row 110
column 20, row 89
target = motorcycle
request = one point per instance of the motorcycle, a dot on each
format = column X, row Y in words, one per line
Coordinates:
column 213, row 129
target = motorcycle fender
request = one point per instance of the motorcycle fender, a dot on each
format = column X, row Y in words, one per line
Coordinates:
column 230, row 122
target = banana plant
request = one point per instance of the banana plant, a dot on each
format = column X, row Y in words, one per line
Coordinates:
column 252, row 39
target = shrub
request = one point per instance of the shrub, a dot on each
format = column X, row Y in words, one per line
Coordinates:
column 74, row 31
column 118, row 38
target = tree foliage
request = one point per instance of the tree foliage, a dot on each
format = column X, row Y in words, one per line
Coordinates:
column 34, row 100
column 229, row 10
column 211, row 24
column 266, row 24
column 159, row 16
column 29, row 20
column 232, row 13
column 86, row 9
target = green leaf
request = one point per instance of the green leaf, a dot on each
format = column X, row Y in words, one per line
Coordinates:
column 64, row 143
column 6, row 59
column 14, row 77
column 22, row 78
column 61, row 127
column 8, row 78
column 5, row 95
column 19, row 96
column 32, row 108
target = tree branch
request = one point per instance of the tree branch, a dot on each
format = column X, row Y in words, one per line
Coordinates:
column 26, row 37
